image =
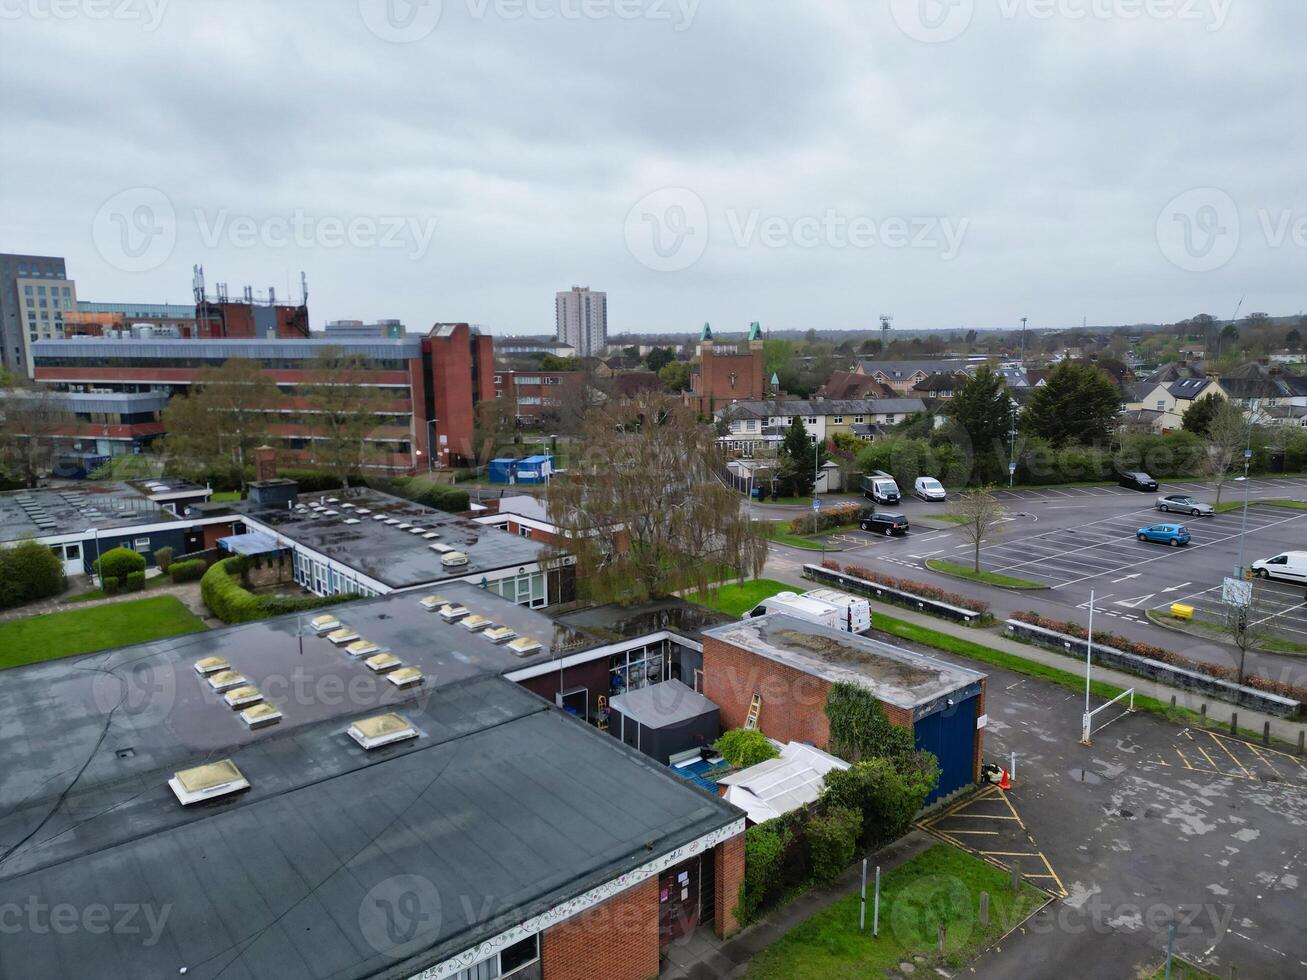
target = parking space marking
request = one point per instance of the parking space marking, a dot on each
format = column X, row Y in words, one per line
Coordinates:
column 1273, row 760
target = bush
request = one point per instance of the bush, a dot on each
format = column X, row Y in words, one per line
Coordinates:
column 840, row 515
column 922, row 589
column 437, row 495
column 833, row 840
column 742, row 747
column 29, row 571
column 764, row 846
column 188, row 571
column 888, row 793
column 134, row 582
column 224, row 592
column 119, row 563
column 163, row 557
column 859, row 727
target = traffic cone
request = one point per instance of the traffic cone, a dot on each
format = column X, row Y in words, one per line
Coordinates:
column 1006, row 781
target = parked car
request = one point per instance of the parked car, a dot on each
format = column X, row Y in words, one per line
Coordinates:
column 1291, row 565
column 1184, row 505
column 880, row 488
column 1173, row 534
column 928, row 488
column 1135, row 480
column 886, row 524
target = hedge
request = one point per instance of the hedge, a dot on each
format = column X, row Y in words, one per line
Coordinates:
column 134, row 582
column 118, row 563
column 743, row 747
column 29, row 571
column 438, row 495
column 840, row 515
column 764, row 846
column 163, row 558
column 1284, row 689
column 921, row 589
column 224, row 592
column 187, row 571
column 833, row 840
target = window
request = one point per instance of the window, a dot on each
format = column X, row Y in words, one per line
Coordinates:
column 859, row 419
column 750, row 425
column 838, row 420
column 1161, row 405
column 514, row 961
column 499, row 379
column 812, row 420
column 141, row 545
column 890, row 419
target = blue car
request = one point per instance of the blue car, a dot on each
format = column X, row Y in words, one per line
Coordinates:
column 1172, row 534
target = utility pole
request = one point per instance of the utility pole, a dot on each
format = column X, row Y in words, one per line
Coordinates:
column 1023, row 339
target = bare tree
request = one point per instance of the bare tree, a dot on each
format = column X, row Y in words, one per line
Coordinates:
column 30, row 422
column 345, row 404
column 212, row 429
column 643, row 508
column 1247, row 621
column 1227, row 435
column 978, row 514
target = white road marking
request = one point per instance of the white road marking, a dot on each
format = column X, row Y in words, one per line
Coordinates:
column 1135, row 603
column 1127, row 578
column 1176, row 588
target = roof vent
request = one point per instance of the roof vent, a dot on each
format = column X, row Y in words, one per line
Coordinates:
column 441, row 548
column 342, row 636
column 433, row 602
column 405, row 677
column 333, row 500
column 240, row 697
column 324, row 624
column 378, row 517
column 474, row 623
column 500, row 634
column 383, row 662
column 379, row 730
column 225, row 680
column 452, row 559
column 524, row 646
column 431, row 535
column 362, row 648
column 207, row 782
column 390, row 521
column 260, row 715
column 362, row 510
column 451, row 613
column 351, row 520
column 211, row 665
column 404, row 527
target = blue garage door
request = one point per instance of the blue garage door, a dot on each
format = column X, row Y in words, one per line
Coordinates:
column 949, row 735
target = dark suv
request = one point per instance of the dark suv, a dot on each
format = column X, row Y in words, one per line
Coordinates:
column 886, row 524
column 1137, row 481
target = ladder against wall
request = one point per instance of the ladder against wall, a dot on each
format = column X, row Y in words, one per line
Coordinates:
column 755, row 708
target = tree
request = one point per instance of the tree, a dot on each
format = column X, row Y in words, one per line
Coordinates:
column 1293, row 339
column 1247, row 624
column 643, row 509
column 918, row 425
column 30, row 422
column 1198, row 416
column 1078, row 403
column 799, row 461
column 345, row 404
column 1229, row 337
column 659, row 358
column 213, row 429
column 493, row 426
column 675, row 375
column 983, row 410
column 978, row 514
column 1227, row 435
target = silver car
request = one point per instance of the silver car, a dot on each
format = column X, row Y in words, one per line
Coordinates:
column 1182, row 504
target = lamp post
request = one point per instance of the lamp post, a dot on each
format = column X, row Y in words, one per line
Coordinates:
column 1243, row 527
column 431, row 444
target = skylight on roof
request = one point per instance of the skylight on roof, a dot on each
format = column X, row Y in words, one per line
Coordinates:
column 379, row 730
column 207, row 782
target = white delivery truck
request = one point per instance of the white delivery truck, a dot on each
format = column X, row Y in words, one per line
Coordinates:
column 881, row 488
column 825, row 607
column 1290, row 565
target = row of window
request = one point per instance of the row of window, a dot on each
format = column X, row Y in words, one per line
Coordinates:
column 195, row 363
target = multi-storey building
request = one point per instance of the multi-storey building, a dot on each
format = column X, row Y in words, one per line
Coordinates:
column 357, row 328
column 427, row 385
column 581, row 317
column 17, row 271
column 137, row 319
column 538, row 395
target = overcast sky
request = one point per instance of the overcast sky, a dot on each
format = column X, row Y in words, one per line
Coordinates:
column 803, row 164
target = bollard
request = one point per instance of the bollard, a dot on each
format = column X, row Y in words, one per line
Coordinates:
column 1016, row 876
column 942, row 933
column 1234, row 723
column 1202, row 716
column 1172, row 702
column 1301, row 736
column 984, row 910
column 1266, row 733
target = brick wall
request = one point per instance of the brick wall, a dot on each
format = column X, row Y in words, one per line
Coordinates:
column 793, row 703
column 728, row 873
column 978, row 752
column 617, row 940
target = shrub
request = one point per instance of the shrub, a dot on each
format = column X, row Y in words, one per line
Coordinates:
column 134, row 582
column 29, row 571
column 187, row 571
column 764, row 846
column 163, row 556
column 437, row 495
column 922, row 589
column 742, row 747
column 833, row 840
column 840, row 515
column 889, row 793
column 859, row 727
column 118, row 563
column 224, row 592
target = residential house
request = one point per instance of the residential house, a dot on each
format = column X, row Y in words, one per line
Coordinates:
column 903, row 376
column 760, row 425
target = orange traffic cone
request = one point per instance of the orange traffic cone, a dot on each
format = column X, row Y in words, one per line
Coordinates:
column 1006, row 781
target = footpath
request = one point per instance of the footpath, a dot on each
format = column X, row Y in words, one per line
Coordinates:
column 1218, row 712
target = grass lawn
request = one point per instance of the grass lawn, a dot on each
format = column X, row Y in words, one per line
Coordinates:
column 1269, row 644
column 63, row 634
column 942, row 884
column 1180, row 970
column 1225, row 506
column 225, row 496
column 780, row 532
column 982, row 576
column 737, row 598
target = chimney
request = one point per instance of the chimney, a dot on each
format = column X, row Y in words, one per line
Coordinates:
column 265, row 463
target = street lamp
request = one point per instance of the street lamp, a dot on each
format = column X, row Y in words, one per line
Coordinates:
column 431, row 444
column 1247, row 483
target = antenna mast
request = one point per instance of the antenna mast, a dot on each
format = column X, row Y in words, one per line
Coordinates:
column 885, row 321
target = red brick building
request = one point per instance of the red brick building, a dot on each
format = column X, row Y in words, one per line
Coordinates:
column 540, row 397
column 790, row 666
column 727, row 375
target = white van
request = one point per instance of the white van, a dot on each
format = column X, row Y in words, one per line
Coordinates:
column 835, row 612
column 881, row 488
column 1291, row 565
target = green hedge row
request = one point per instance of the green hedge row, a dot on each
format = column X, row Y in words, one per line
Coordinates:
column 187, row 571
column 438, row 495
column 224, row 592
column 29, row 571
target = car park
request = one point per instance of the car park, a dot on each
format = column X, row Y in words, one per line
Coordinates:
column 885, row 523
column 1137, row 480
column 1184, row 504
column 929, row 489
column 1290, row 565
column 1173, row 534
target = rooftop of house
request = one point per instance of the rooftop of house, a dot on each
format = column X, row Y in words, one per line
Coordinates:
column 394, row 541
column 847, row 384
column 500, row 797
column 51, row 511
column 895, row 675
column 903, row 370
column 826, row 406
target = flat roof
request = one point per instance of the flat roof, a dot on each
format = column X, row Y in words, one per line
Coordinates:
column 663, row 704
column 51, row 511
column 616, row 623
column 391, row 553
column 501, row 795
column 896, row 676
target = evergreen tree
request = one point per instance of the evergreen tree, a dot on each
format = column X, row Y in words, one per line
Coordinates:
column 798, row 461
column 1198, row 417
column 1078, row 404
column 982, row 409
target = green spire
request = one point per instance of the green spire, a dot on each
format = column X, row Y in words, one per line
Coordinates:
column 775, row 381
column 707, row 333
column 755, row 331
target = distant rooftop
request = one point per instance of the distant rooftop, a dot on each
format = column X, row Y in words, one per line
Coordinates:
column 390, row 543
column 615, row 623
column 895, row 675
column 49, row 511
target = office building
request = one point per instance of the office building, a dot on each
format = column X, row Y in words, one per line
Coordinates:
column 581, row 317
column 357, row 328
column 17, row 272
